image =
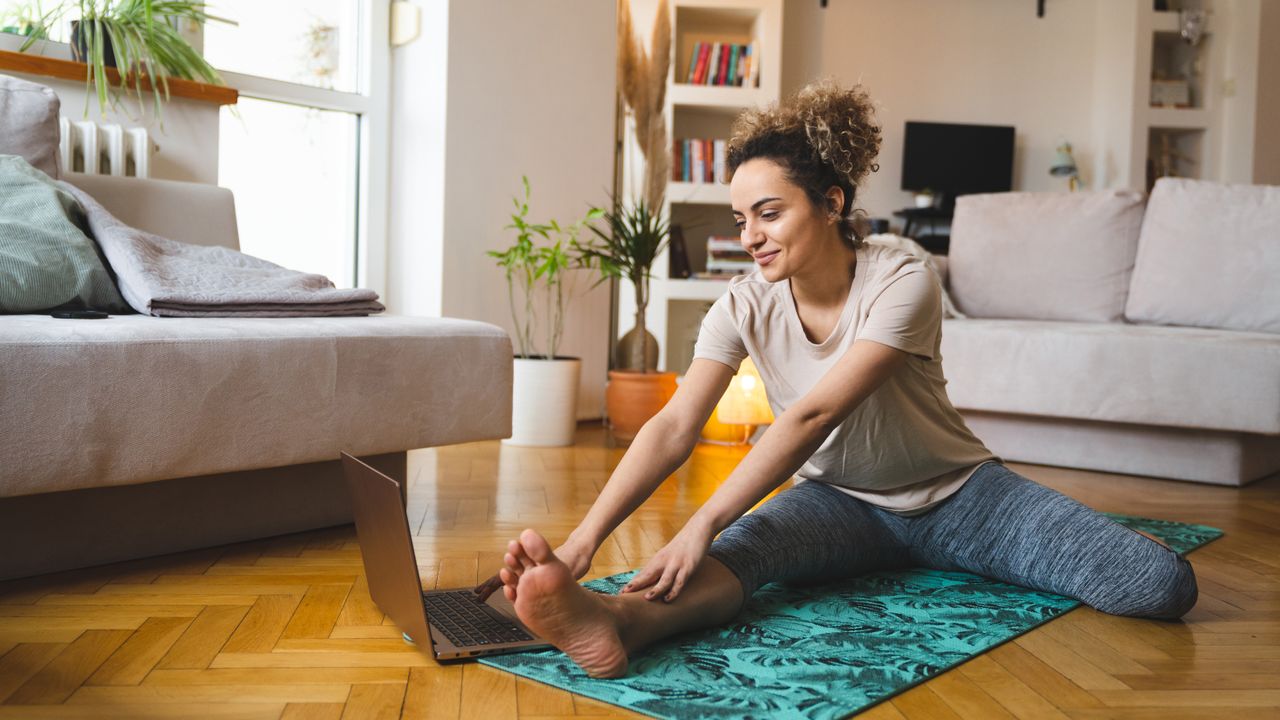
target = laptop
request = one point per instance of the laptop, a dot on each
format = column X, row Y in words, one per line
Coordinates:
column 457, row 624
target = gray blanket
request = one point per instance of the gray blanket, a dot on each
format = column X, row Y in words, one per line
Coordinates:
column 163, row 277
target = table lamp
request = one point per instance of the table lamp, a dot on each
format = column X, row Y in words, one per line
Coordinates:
column 1064, row 165
column 742, row 407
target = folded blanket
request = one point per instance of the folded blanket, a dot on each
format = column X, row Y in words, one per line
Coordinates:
column 163, row 277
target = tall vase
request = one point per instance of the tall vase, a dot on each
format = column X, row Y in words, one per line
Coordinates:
column 628, row 357
column 544, row 402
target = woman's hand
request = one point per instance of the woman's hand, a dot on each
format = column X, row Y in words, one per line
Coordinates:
column 666, row 574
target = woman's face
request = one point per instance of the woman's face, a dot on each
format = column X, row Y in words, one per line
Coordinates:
column 777, row 222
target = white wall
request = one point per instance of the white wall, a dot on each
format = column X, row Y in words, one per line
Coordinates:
column 525, row 89
column 969, row 61
column 186, row 142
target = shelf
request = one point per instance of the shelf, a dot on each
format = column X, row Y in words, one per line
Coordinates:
column 1178, row 118
column 729, row 97
column 71, row 70
column 691, row 289
column 1166, row 21
column 689, row 193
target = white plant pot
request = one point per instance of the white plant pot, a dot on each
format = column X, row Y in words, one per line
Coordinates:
column 544, row 402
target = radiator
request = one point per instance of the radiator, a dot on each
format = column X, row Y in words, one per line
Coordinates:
column 104, row 149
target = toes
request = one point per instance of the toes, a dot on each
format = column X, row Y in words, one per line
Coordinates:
column 518, row 552
column 510, row 592
column 536, row 547
column 512, row 563
column 509, row 578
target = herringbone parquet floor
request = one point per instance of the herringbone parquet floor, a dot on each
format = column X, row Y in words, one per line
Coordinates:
column 284, row 628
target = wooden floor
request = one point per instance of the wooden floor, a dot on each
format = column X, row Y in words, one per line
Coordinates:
column 284, row 628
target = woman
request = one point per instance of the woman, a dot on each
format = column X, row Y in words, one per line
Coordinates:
column 845, row 336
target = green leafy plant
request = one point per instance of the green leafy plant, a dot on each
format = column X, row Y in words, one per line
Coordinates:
column 144, row 37
column 539, row 263
column 634, row 238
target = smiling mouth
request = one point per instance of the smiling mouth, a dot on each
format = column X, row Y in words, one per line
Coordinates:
column 766, row 258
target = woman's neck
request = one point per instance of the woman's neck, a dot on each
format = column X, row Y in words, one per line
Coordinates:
column 825, row 283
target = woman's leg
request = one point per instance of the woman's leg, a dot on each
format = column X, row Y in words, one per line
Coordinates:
column 1004, row 526
column 809, row 533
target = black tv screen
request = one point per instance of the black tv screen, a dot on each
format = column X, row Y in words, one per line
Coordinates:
column 957, row 159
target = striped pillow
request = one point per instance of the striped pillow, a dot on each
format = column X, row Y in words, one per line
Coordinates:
column 46, row 260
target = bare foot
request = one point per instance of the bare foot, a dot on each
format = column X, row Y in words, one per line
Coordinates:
column 572, row 618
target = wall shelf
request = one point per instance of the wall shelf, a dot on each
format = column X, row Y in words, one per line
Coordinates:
column 72, row 70
column 1180, row 118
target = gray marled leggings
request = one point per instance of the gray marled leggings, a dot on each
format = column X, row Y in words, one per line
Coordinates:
column 999, row 525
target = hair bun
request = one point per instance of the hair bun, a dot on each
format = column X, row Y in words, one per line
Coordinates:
column 837, row 123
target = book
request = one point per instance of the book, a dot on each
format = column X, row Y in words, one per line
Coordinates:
column 704, row 55
column 720, row 162
column 731, row 78
column 724, row 64
column 699, row 163
column 693, row 62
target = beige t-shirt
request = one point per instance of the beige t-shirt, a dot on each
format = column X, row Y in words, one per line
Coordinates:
column 905, row 448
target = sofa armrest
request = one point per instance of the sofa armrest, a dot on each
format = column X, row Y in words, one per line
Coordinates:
column 186, row 212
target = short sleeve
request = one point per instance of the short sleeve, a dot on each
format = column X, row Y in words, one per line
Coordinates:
column 719, row 338
column 907, row 315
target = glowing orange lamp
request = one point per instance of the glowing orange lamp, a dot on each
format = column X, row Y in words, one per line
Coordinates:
column 743, row 407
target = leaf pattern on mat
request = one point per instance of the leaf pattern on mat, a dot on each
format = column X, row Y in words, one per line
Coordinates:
column 828, row 651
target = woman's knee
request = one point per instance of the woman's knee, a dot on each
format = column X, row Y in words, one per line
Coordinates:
column 1167, row 593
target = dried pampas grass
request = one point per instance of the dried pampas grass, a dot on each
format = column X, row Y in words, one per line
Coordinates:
column 642, row 79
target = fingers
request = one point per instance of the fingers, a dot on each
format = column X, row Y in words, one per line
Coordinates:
column 642, row 579
column 676, row 586
column 663, row 585
column 486, row 588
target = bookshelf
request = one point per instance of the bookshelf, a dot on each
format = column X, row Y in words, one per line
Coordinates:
column 694, row 111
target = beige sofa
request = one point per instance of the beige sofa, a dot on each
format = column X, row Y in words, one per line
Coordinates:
column 1108, row 333
column 138, row 435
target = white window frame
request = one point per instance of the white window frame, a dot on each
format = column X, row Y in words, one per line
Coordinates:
column 372, row 107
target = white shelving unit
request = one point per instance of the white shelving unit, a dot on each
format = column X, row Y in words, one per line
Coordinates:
column 1137, row 44
column 676, row 306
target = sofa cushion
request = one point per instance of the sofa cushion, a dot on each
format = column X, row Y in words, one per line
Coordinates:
column 135, row 398
column 1209, row 257
column 1044, row 256
column 1171, row 376
column 29, row 123
column 46, row 260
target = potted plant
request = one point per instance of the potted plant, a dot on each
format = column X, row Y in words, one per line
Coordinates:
column 538, row 268
column 636, row 235
column 26, row 19
column 636, row 232
column 139, row 37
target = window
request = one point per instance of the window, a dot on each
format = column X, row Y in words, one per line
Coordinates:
column 305, row 148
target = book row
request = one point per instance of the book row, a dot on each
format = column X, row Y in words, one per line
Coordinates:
column 729, row 64
column 699, row 161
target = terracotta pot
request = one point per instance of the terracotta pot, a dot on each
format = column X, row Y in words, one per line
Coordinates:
column 633, row 397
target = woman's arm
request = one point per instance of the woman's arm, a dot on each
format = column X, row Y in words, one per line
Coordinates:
column 785, row 446
column 661, row 446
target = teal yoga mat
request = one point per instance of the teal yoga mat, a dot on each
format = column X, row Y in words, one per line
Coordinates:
column 825, row 652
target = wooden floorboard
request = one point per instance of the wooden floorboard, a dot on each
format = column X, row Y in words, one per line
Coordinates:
column 286, row 628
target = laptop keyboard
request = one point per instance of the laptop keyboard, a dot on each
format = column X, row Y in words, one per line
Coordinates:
column 466, row 621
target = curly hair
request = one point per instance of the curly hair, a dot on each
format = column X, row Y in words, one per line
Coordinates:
column 822, row 136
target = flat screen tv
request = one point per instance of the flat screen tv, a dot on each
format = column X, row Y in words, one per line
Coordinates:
column 956, row 160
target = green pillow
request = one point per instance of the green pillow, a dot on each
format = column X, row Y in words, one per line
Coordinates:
column 46, row 259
